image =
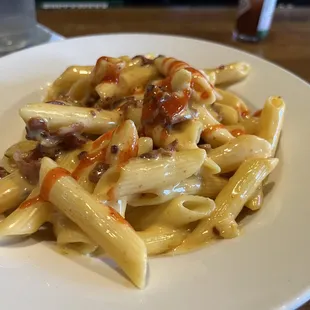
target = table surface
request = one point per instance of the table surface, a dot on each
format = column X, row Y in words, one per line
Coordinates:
column 288, row 44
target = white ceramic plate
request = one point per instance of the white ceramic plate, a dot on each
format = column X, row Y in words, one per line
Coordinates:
column 267, row 267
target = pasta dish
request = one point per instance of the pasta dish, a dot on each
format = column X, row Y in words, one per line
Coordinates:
column 139, row 157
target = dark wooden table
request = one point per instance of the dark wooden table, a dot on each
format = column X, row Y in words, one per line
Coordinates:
column 287, row 45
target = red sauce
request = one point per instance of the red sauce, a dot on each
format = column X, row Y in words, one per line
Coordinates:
column 175, row 65
column 175, row 104
column 237, row 132
column 112, row 74
column 105, row 137
column 212, row 128
column 111, row 194
column 50, row 179
column 166, row 60
column 29, row 202
column 195, row 72
column 117, row 217
column 88, row 160
column 257, row 113
column 245, row 113
column 205, row 95
column 166, row 83
column 132, row 151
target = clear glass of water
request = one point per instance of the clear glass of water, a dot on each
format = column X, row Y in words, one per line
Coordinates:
column 17, row 24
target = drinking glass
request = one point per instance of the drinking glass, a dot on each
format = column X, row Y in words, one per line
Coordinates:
column 17, row 24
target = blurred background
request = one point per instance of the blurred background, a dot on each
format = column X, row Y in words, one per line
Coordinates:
column 98, row 4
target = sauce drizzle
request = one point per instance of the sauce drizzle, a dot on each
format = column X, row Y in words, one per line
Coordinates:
column 116, row 216
column 31, row 201
column 237, row 132
column 257, row 113
column 213, row 128
column 50, row 179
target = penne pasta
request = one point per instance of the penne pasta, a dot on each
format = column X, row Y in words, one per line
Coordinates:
column 28, row 217
column 271, row 121
column 228, row 98
column 123, row 144
column 231, row 155
column 159, row 240
column 13, row 190
column 229, row 116
column 250, row 125
column 240, row 187
column 62, row 85
column 186, row 133
column 95, row 219
column 57, row 116
column 145, row 145
column 179, row 212
column 68, row 234
column 256, row 200
column 161, row 172
column 230, row 73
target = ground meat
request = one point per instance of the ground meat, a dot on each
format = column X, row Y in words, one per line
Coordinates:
column 36, row 128
column 112, row 103
column 3, row 173
column 172, row 146
column 165, row 152
column 144, row 61
column 96, row 173
column 82, row 155
column 67, row 138
column 206, row 147
column 114, row 149
column 56, row 102
column 158, row 108
column 28, row 167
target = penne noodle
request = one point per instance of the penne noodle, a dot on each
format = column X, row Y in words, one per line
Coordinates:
column 186, row 133
column 250, row 125
column 231, row 155
column 170, row 66
column 123, row 144
column 161, row 172
column 68, row 234
column 256, row 200
column 230, row 73
column 181, row 80
column 13, row 190
column 179, row 212
column 95, row 219
column 145, row 145
column 230, row 201
column 228, row 114
column 159, row 240
column 271, row 121
column 211, row 185
column 28, row 217
column 230, row 99
column 214, row 132
column 211, row 166
column 57, row 116
column 62, row 85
